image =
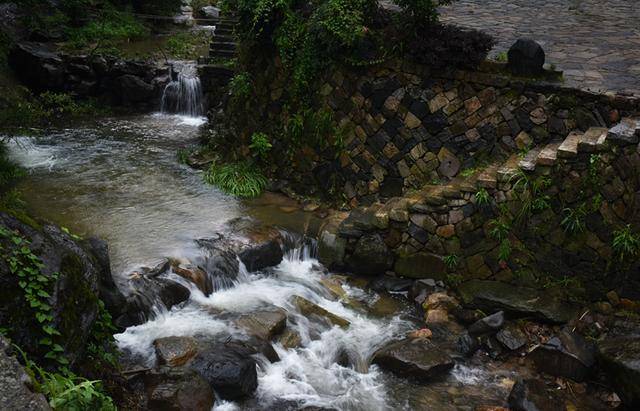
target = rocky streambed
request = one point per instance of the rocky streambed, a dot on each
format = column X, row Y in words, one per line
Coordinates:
column 218, row 308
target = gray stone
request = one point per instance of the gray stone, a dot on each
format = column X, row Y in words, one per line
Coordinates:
column 309, row 309
column 175, row 351
column 565, row 355
column 620, row 360
column 533, row 395
column 421, row 265
column 487, row 325
column 371, row 256
column 526, row 58
column 418, row 359
column 264, row 324
column 512, row 338
column 15, row 384
column 626, row 132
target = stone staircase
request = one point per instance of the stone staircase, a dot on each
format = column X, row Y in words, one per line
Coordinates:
column 224, row 44
column 594, row 140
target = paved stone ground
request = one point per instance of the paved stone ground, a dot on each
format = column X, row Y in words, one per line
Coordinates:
column 595, row 42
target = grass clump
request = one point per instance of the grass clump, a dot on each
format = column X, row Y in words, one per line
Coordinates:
column 241, row 179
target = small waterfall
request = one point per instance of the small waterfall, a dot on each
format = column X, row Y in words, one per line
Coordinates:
column 183, row 95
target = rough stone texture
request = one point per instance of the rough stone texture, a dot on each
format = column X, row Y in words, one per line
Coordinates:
column 620, row 358
column 15, row 384
column 417, row 358
column 565, row 355
column 177, row 389
column 175, row 351
column 308, row 308
column 526, row 58
column 264, row 324
column 593, row 42
column 371, row 256
column 533, row 395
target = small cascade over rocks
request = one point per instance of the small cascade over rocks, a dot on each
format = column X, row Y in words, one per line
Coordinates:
column 183, row 94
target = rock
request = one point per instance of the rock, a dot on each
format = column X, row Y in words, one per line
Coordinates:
column 264, row 324
column 175, row 351
column 487, row 325
column 308, row 308
column 390, row 284
column 148, row 292
column 422, row 288
column 421, row 265
column 228, row 369
column 73, row 273
column 371, row 256
column 494, row 295
column 467, row 345
column 620, row 359
column 37, row 66
column 133, row 89
column 290, row 339
column 526, row 58
column 211, row 12
column 331, row 247
column 419, row 359
column 512, row 338
column 194, row 274
column 220, row 264
column 533, row 395
column 15, row 384
column 449, row 163
column 177, row 389
column 625, row 132
column 565, row 355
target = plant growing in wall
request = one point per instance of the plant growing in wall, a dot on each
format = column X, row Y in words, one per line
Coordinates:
column 260, row 145
column 573, row 220
column 451, row 261
column 626, row 244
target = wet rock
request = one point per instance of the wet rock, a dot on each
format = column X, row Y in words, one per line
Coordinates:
column 467, row 345
column 419, row 359
column 194, row 274
column 175, row 351
column 390, row 284
column 423, row 287
column 494, row 295
column 37, row 66
column 133, row 89
column 149, row 292
column 533, row 395
column 74, row 273
column 421, row 265
column 16, row 391
column 511, row 337
column 228, row 369
column 264, row 324
column 488, row 325
column 310, row 309
column 620, row 359
column 258, row 246
column 625, row 132
column 526, row 58
column 565, row 355
column 331, row 247
column 211, row 12
column 359, row 222
column 220, row 264
column 177, row 389
column 371, row 256
column 290, row 339
column 160, row 267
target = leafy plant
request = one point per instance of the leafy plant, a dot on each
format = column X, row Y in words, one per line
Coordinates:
column 260, row 145
column 240, row 85
column 499, row 230
column 482, row 197
column 504, row 250
column 454, row 280
column 182, row 155
column 451, row 261
column 239, row 179
column 626, row 244
column 502, row 57
column 573, row 221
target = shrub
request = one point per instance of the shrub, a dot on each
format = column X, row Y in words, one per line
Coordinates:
column 260, row 145
column 239, row 179
column 240, row 85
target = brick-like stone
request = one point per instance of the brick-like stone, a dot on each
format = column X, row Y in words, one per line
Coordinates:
column 411, row 121
column 472, row 105
column 446, row 231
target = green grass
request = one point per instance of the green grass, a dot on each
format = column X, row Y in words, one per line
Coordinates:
column 238, row 179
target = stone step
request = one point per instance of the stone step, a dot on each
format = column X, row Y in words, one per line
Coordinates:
column 224, row 38
column 593, row 140
column 219, row 45
column 222, row 53
column 488, row 178
column 569, row 147
column 626, row 132
column 528, row 163
column 548, row 155
column 509, row 169
column 223, row 31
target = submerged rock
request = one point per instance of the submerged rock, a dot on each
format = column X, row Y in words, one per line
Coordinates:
column 533, row 395
column 178, row 389
column 494, row 295
column 220, row 264
column 309, row 309
column 566, row 355
column 175, row 351
column 264, row 324
column 620, row 360
column 228, row 369
column 418, row 358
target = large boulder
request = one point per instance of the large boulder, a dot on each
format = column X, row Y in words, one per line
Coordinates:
column 421, row 266
column 175, row 351
column 37, row 66
column 487, row 325
column 619, row 357
column 220, row 264
column 133, row 89
column 566, row 355
column 371, row 256
column 229, row 370
column 310, row 309
column 177, row 389
column 258, row 246
column 264, row 324
column 416, row 358
column 16, row 390
column 72, row 272
column 526, row 58
column 331, row 246
column 491, row 296
column 150, row 292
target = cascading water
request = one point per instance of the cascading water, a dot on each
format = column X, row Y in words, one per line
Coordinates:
column 183, row 95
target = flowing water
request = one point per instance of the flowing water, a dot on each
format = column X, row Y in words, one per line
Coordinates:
column 183, row 94
column 119, row 179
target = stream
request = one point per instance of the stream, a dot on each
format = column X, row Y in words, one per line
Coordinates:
column 119, row 179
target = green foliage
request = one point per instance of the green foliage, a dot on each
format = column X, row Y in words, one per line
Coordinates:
column 107, row 29
column 101, row 347
column 239, row 179
column 420, row 12
column 499, row 230
column 504, row 251
column 454, row 280
column 626, row 244
column 241, row 86
column 37, row 289
column 66, row 391
column 260, row 145
column 468, row 172
column 186, row 45
column 183, row 155
column 451, row 261
column 482, row 197
column 502, row 57
column 530, row 193
column 595, row 163
column 573, row 221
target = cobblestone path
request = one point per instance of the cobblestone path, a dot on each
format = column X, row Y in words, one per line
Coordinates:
column 595, row 42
